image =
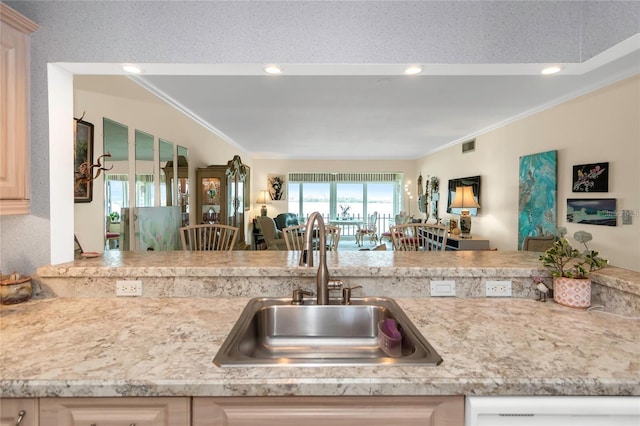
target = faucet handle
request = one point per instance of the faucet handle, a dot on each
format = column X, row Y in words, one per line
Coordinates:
column 298, row 296
column 346, row 294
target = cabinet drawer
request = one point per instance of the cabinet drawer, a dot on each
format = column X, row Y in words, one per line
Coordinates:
column 329, row 411
column 114, row 411
column 18, row 411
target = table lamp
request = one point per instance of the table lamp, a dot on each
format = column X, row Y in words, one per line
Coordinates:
column 263, row 198
column 464, row 200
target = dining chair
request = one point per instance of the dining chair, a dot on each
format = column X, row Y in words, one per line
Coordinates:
column 539, row 244
column 294, row 237
column 419, row 237
column 333, row 237
column 370, row 228
column 399, row 220
column 213, row 236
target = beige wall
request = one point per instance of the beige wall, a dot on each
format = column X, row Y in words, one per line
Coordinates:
column 112, row 97
column 601, row 126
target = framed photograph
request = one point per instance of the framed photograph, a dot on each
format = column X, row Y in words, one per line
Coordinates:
column 591, row 177
column 592, row 211
column 83, row 158
column 276, row 187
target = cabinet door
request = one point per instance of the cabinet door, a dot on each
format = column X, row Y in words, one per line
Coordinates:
column 114, row 411
column 14, row 111
column 329, row 411
column 211, row 187
column 19, row 411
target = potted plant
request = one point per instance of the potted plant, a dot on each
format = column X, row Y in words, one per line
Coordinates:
column 570, row 269
column 115, row 216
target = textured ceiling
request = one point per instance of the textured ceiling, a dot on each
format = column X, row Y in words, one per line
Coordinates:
column 342, row 95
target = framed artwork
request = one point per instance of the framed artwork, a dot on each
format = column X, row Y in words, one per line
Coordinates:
column 83, row 158
column 591, row 177
column 474, row 182
column 537, row 191
column 276, row 187
column 592, row 211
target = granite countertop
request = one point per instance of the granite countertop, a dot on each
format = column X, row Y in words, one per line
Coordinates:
column 276, row 263
column 236, row 273
column 165, row 347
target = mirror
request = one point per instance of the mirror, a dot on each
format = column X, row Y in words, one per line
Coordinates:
column 183, row 183
column 474, row 182
column 144, row 170
column 166, row 156
column 116, row 191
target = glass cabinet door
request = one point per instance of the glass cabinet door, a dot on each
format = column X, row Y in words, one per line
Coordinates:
column 211, row 199
column 210, row 195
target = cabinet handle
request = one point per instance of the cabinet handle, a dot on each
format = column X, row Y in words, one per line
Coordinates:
column 21, row 415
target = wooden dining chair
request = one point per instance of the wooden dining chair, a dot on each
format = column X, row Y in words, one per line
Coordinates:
column 294, row 237
column 419, row 237
column 213, row 236
column 333, row 237
column 370, row 228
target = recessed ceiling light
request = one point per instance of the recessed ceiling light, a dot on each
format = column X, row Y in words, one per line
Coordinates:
column 413, row 69
column 273, row 69
column 133, row 69
column 551, row 70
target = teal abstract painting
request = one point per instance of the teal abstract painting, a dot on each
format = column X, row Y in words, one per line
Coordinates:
column 537, row 195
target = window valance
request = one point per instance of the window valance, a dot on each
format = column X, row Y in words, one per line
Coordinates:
column 345, row 177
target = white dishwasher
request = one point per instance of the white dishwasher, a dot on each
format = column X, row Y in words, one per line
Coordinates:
column 552, row 411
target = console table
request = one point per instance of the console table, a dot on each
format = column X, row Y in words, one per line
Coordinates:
column 456, row 243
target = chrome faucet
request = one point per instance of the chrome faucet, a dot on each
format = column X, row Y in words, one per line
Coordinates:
column 306, row 256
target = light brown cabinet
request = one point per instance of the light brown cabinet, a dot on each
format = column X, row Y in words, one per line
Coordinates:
column 19, row 412
column 211, row 196
column 222, row 192
column 329, row 411
column 15, row 31
column 114, row 411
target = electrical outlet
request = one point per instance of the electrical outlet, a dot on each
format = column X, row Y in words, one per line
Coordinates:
column 498, row 288
column 128, row 288
column 443, row 288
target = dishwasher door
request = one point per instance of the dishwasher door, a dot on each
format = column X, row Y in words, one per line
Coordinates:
column 552, row 411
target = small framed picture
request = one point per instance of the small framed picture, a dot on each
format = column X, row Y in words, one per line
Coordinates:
column 591, row 177
column 83, row 152
column 592, row 211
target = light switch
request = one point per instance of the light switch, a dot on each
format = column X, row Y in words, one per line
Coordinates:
column 441, row 288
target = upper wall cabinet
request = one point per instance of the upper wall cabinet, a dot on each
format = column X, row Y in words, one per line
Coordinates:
column 14, row 111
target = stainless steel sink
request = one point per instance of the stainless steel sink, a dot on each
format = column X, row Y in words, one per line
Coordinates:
column 273, row 332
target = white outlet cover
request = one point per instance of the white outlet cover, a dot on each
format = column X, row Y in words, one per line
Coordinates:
column 498, row 288
column 128, row 288
column 443, row 288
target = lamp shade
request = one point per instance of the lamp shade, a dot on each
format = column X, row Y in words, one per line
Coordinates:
column 464, row 198
column 263, row 197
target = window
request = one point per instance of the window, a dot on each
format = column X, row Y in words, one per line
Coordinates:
column 328, row 193
column 116, row 192
column 350, row 198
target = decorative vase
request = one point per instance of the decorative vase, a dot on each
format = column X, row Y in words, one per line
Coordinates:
column 572, row 292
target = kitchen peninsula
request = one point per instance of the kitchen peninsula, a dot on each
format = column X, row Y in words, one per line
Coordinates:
column 91, row 343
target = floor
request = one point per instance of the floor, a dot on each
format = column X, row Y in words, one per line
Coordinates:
column 348, row 243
